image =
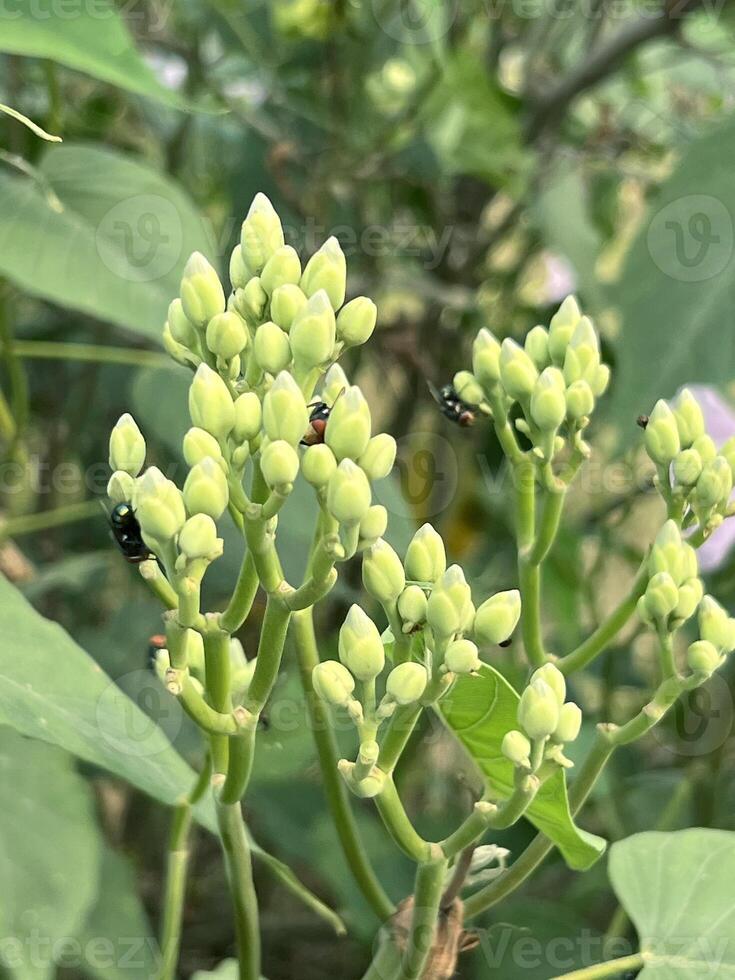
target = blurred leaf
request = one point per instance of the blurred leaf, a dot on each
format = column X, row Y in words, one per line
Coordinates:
column 92, row 39
column 676, row 290
column 100, row 233
column 78, row 707
column 480, row 710
column 677, row 889
column 116, row 936
column 50, row 853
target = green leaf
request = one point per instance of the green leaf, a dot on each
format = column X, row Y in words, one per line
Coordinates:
column 49, row 853
column 676, row 290
column 480, row 710
column 100, row 233
column 677, row 889
column 34, row 127
column 51, row 689
column 93, row 39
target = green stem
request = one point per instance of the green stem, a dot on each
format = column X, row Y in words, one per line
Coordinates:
column 158, row 583
column 17, row 379
column 387, row 961
column 427, row 896
column 612, row 968
column 548, row 525
column 598, row 641
column 334, row 788
column 217, row 672
column 240, row 878
column 398, row 824
column 240, row 765
column 270, row 651
column 60, row 516
column 399, row 731
column 529, row 577
column 242, row 598
column 95, row 353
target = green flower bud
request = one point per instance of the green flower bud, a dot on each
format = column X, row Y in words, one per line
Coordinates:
column 202, row 296
column 159, row 506
column 327, row 270
column 318, row 464
column 667, row 554
column 412, row 606
column 348, row 494
column 715, row 625
column 333, row 683
column 282, row 268
column 703, row 658
column 690, row 595
column 406, row 683
column 570, row 723
column 689, row 563
column 198, row 538
column 379, row 456
column 227, row 335
column 461, row 657
column 335, row 383
column 517, row 371
column 239, row 272
column 285, row 415
column 538, row 710
column 356, row 321
column 279, row 463
column 210, row 403
column 174, row 349
column 580, row 400
column 127, row 446
column 199, row 444
column 261, row 234
column 548, row 401
column 689, row 418
column 425, row 559
column 706, row 448
column 374, row 523
column 121, row 487
column 382, row 572
column 448, row 603
column 714, row 484
column 582, row 358
column 486, row 358
column 181, row 327
column 348, row 429
column 687, row 467
column 561, row 328
column 250, row 301
column 662, row 434
column 600, row 380
column 360, row 647
column 468, row 388
column 661, row 596
column 536, row 346
column 286, row 303
column 497, row 617
column 313, row 332
column 516, row 748
column 248, row 417
column 271, row 348
column 554, row 678
column 728, row 452
column 205, row 489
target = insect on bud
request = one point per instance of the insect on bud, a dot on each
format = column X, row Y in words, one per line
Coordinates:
column 517, row 371
column 205, row 489
column 127, row 446
column 360, row 647
column 285, row 415
column 333, row 683
column 282, row 268
column 662, row 434
column 271, row 348
column 561, row 328
column 248, row 417
column 120, row 487
column 356, row 321
column 497, row 617
column 261, row 234
column 548, row 401
column 406, row 683
column 379, row 456
column 318, row 464
column 447, row 608
column 202, row 296
column 327, row 270
column 279, row 463
column 382, row 572
column 412, row 605
column 210, row 403
column 198, row 538
column 348, row 494
column 227, row 335
column 538, row 710
column 426, row 558
column 516, row 748
column 468, row 389
column 159, row 506
column 313, row 332
column 689, row 418
column 286, row 303
column 348, row 428
column 462, row 657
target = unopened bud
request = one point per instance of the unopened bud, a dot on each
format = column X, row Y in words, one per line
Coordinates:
column 198, row 538
column 282, row 268
column 689, row 418
column 662, row 434
column 516, row 748
column 486, row 358
column 517, row 371
column 561, row 328
column 379, row 456
column 227, row 335
column 582, row 358
column 703, row 658
column 382, row 572
column 279, row 463
column 536, row 346
column 127, row 446
column 348, row 428
column 181, row 327
column 248, row 417
column 412, row 605
column 159, row 506
column 239, row 272
column 667, row 554
column 250, row 301
column 335, row 383
column 687, row 467
column 205, row 489
column 548, row 401
column 406, row 683
column 286, row 303
column 356, row 321
column 462, row 657
column 728, row 452
column 426, row 558
column 600, row 380
column 570, row 723
column 554, row 678
column 538, row 710
column 202, row 296
column 210, row 403
column 468, row 388
column 580, row 400
column 448, row 603
column 690, row 595
column 497, row 617
column 360, row 647
column 261, row 234
column 715, row 625
column 374, row 523
column 348, row 494
column 120, row 487
column 327, row 270
column 199, row 444
column 714, row 484
column 318, row 464
column 333, row 683
column 661, row 596
column 271, row 348
column 285, row 415
column 313, row 332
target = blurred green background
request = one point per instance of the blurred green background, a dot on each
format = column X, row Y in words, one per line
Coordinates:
column 478, row 161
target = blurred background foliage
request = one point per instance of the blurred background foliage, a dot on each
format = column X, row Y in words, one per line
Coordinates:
column 478, row 161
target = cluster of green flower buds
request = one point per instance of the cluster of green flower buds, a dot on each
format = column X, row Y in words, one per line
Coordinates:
column 695, row 479
column 546, row 722
column 717, row 632
column 555, row 378
column 674, row 589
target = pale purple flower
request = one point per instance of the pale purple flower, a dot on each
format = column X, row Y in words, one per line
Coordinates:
column 560, row 278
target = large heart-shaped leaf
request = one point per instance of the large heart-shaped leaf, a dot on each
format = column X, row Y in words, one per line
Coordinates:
column 91, row 38
column 677, row 288
column 49, row 853
column 677, row 889
column 100, row 233
column 480, row 710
